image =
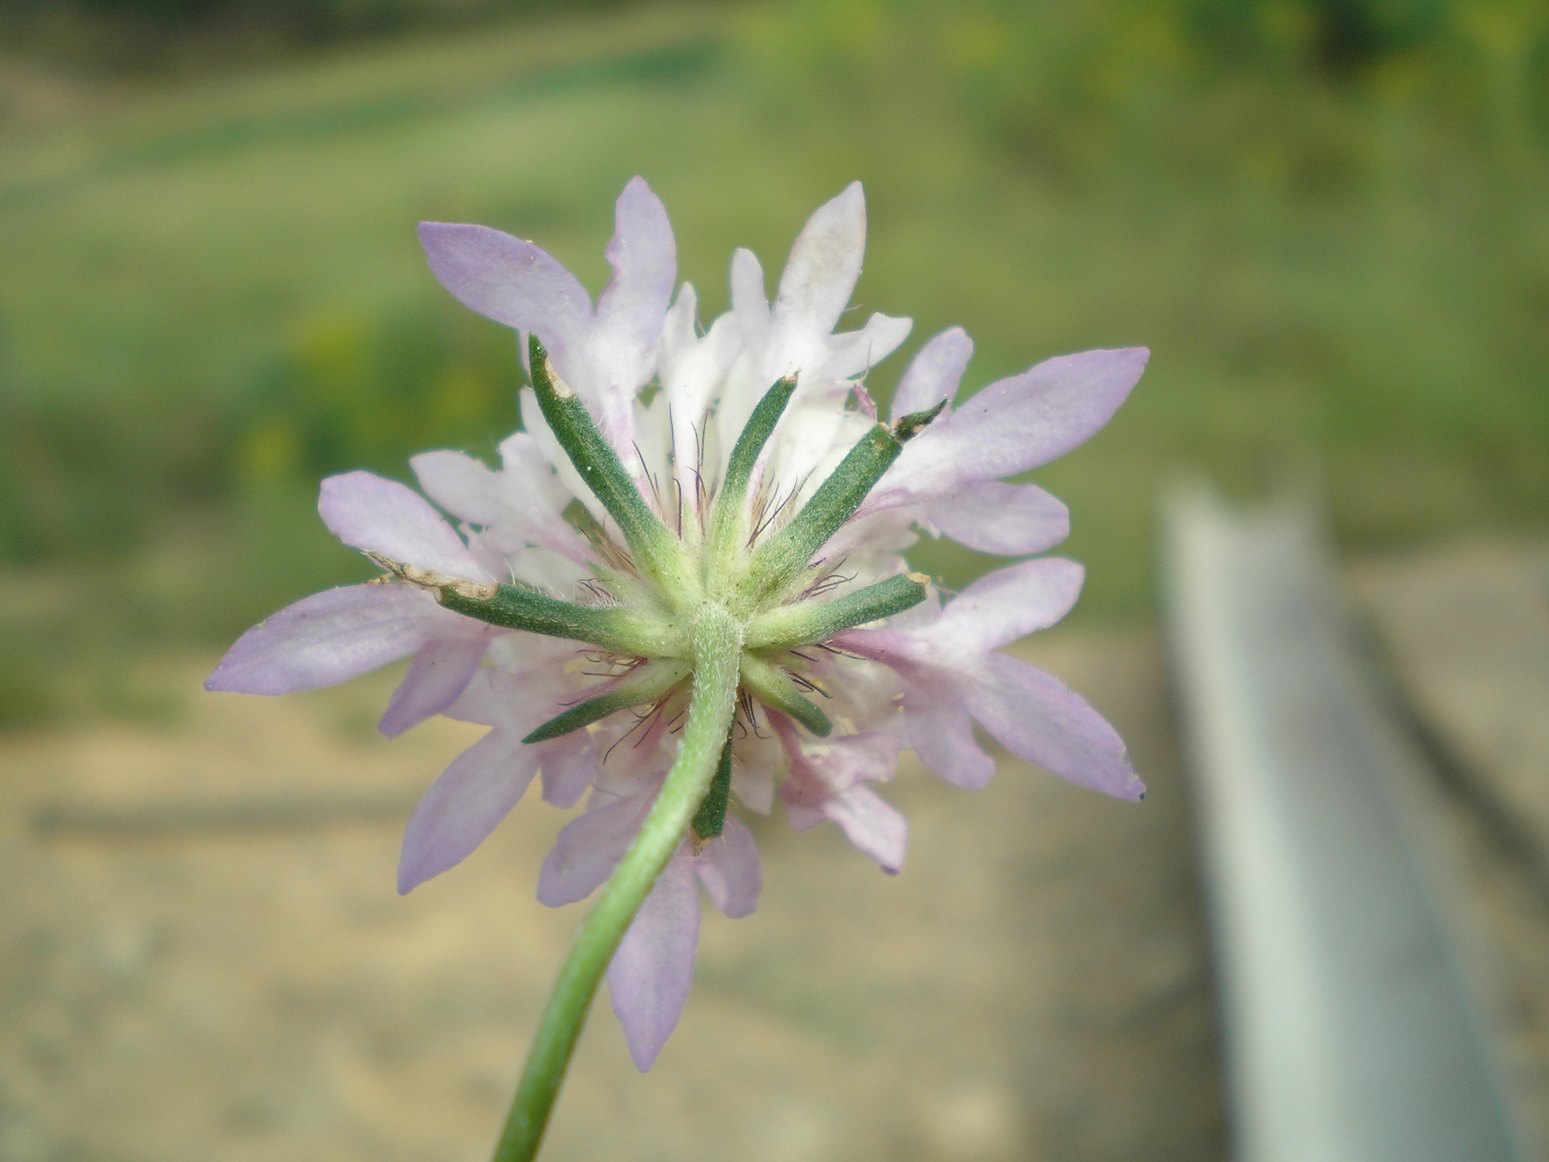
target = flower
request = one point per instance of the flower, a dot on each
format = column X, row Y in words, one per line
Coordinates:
column 662, row 470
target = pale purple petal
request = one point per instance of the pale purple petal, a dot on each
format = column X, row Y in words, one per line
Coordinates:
column 644, row 260
column 508, row 280
column 569, row 762
column 651, row 972
column 824, row 265
column 485, row 699
column 1032, row 418
column 892, row 648
column 826, row 781
column 1008, row 604
column 375, row 515
column 332, row 637
column 464, row 805
column 941, row 732
column 840, row 763
column 753, row 775
column 588, row 849
column 1009, row 520
column 729, row 869
column 438, row 674
column 934, row 373
column 874, row 826
column 523, row 695
column 1037, row 718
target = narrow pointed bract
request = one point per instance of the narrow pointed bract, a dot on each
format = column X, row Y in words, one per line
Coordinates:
column 706, row 521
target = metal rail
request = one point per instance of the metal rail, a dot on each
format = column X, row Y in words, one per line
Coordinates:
column 1351, row 1035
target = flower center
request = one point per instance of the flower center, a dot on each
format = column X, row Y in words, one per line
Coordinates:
column 751, row 583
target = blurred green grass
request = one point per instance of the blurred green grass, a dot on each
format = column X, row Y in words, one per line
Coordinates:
column 211, row 294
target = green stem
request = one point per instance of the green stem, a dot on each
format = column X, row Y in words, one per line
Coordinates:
column 717, row 646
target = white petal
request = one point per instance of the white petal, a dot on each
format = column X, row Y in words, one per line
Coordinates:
column 827, row 782
column 854, row 353
column 747, row 298
column 753, row 774
column 824, row 265
column 463, row 486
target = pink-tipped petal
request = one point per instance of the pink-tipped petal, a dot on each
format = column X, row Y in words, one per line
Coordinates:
column 729, row 869
column 1008, row 604
column 1032, row 418
column 934, row 373
column 1038, row 719
column 649, row 978
column 331, row 637
column 463, row 806
column 1009, row 520
column 508, row 280
column 824, row 265
column 375, row 515
column 438, row 674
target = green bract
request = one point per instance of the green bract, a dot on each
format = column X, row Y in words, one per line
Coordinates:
column 670, row 584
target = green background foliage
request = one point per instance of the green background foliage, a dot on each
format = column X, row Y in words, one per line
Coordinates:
column 1325, row 218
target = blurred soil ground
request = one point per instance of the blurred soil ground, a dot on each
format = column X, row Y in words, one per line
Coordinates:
column 199, row 965
column 202, row 955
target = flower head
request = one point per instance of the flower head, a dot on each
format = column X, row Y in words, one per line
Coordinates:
column 669, row 479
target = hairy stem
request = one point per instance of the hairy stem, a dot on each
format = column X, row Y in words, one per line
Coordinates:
column 717, row 645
